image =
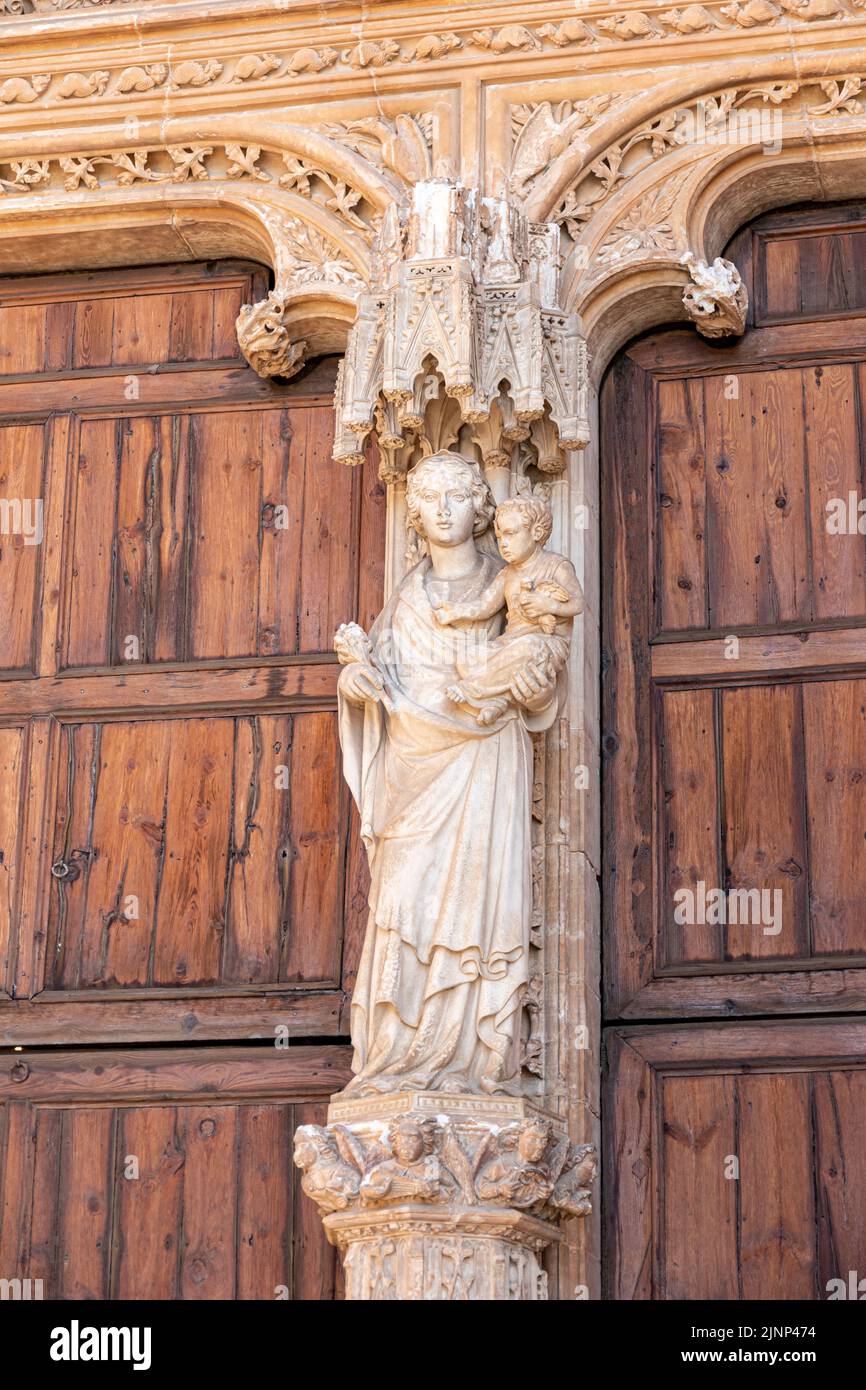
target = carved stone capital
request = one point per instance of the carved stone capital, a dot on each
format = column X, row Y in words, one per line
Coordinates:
column 717, row 300
column 437, row 1196
column 466, row 291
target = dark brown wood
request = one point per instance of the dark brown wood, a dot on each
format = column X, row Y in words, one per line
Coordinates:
column 169, row 669
column 164, row 1174
column 685, row 1104
column 734, row 652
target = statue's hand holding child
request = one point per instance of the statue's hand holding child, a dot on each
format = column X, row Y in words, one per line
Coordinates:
column 447, row 613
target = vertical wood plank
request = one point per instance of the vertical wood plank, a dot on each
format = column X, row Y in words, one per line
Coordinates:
column 88, row 623
column 328, row 540
column 833, row 454
column 777, row 1208
column 259, row 905
column 264, row 1201
column 149, row 1206
column 84, row 1213
column 681, row 503
column 835, row 755
column 700, row 1191
column 690, row 825
column 284, row 435
column 190, row 902
column 839, row 1108
column 226, row 451
column 21, row 489
column 316, row 870
column 12, row 770
column 765, row 832
column 208, row 1257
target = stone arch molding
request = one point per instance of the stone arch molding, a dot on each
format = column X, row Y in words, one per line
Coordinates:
column 648, row 194
column 307, row 204
column 492, row 306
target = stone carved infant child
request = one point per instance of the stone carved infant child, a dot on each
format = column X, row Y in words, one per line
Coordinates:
column 542, row 595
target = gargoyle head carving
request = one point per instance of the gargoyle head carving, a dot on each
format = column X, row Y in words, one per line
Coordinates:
column 265, row 341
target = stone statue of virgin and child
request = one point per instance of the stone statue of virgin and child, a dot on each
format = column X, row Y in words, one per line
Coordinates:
column 437, row 705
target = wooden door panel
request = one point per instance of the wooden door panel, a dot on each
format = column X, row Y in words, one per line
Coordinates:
column 197, row 852
column 746, row 464
column 22, row 494
column 735, row 1159
column 173, row 646
column 734, row 682
column 125, row 318
column 165, row 1174
column 214, row 535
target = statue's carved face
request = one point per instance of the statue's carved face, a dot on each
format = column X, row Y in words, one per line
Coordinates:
column 446, row 507
column 533, row 1142
column 448, row 500
column 306, row 1153
column 515, row 537
column 407, row 1145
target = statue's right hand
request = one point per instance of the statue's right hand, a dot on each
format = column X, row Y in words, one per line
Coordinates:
column 360, row 683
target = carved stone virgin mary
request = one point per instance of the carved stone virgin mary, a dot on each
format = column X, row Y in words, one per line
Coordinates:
column 445, row 811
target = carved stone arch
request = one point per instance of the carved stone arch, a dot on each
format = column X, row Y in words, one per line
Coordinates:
column 609, row 121
column 304, row 203
column 701, row 198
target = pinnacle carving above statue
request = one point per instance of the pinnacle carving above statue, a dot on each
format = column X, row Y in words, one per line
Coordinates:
column 464, row 285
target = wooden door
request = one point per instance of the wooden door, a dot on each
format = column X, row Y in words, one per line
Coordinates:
column 734, row 782
column 178, row 861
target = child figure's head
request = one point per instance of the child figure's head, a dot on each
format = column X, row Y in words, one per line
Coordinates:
column 523, row 526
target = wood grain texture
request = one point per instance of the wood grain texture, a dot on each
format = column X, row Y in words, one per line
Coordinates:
column 731, row 724
column 753, row 1139
column 185, row 1190
column 175, row 647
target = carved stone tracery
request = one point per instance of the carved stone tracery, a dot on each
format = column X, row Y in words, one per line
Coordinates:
column 463, row 284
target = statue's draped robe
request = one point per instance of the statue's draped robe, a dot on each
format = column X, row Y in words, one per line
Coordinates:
column 445, row 811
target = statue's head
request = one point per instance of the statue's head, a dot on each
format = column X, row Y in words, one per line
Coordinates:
column 522, row 523
column 447, row 499
column 312, row 1143
column 408, row 1140
column 534, row 1136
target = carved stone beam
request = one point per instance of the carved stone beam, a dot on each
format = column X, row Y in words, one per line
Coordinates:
column 439, row 1198
column 717, row 300
column 465, row 286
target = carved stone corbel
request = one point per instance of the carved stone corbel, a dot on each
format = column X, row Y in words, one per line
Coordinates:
column 265, row 340
column 311, row 306
column 717, row 300
column 466, row 287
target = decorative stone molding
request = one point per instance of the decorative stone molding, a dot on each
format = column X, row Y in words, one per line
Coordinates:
column 462, row 285
column 717, row 301
column 443, row 1197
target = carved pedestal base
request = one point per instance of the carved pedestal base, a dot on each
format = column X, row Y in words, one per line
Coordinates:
column 432, row 1196
column 408, row 1253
